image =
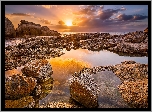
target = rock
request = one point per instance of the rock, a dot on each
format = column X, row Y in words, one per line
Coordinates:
column 18, row 86
column 135, row 92
column 59, row 104
column 9, row 29
column 24, row 102
column 146, row 30
column 42, row 90
column 84, row 90
column 129, row 70
column 26, row 29
column 39, row 69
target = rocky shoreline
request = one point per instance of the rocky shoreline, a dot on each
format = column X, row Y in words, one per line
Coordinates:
column 36, row 82
column 134, row 86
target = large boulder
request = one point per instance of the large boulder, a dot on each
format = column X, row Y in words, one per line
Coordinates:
column 26, row 29
column 39, row 69
column 17, row 86
column 9, row 29
column 84, row 90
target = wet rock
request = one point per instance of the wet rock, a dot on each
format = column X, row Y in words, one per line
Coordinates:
column 135, row 92
column 42, row 90
column 39, row 69
column 17, row 86
column 84, row 90
column 129, row 70
column 9, row 29
column 24, row 102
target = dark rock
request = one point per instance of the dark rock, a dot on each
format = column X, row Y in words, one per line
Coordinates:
column 9, row 29
column 26, row 29
column 18, row 86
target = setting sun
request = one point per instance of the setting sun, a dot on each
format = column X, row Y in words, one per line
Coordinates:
column 69, row 23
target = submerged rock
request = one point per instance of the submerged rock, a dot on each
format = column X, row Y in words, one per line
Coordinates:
column 24, row 102
column 84, row 90
column 39, row 69
column 17, row 86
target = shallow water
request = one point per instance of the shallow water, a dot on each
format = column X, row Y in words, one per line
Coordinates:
column 101, row 58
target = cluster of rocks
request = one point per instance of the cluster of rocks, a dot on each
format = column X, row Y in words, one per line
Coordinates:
column 27, row 29
column 33, row 84
column 134, row 86
column 130, row 43
column 30, row 49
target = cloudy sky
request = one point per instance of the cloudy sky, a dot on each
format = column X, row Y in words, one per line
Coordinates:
column 82, row 18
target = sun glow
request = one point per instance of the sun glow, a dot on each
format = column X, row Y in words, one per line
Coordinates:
column 69, row 23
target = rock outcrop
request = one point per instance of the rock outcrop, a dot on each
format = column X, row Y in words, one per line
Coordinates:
column 134, row 87
column 39, row 69
column 26, row 29
column 9, row 29
column 17, row 86
column 84, row 90
column 131, row 71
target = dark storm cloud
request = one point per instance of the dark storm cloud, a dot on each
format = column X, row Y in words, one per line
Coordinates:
column 140, row 17
column 106, row 14
column 61, row 22
column 131, row 17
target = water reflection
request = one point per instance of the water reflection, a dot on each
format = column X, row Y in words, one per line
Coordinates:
column 62, row 71
column 103, row 57
column 64, row 67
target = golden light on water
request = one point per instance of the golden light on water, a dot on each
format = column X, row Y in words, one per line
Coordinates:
column 63, row 68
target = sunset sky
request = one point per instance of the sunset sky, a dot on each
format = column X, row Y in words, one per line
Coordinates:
column 82, row 18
